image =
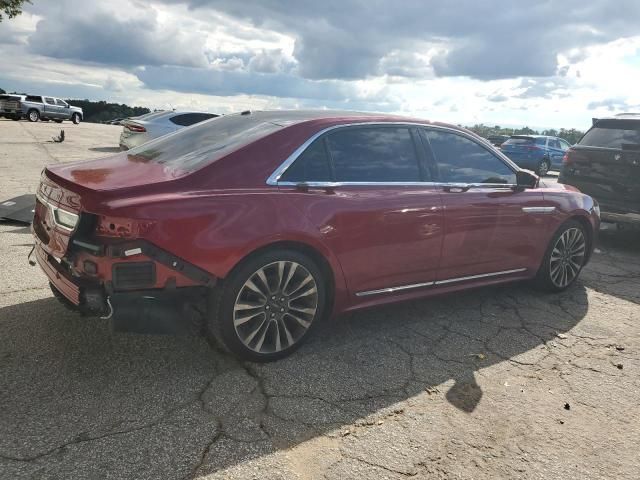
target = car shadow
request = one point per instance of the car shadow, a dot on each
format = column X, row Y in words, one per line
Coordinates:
column 616, row 269
column 105, row 149
column 73, row 390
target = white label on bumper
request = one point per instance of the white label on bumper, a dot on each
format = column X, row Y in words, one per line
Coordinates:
column 133, row 251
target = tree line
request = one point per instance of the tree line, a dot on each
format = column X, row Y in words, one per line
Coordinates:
column 97, row 112
column 571, row 135
column 102, row 111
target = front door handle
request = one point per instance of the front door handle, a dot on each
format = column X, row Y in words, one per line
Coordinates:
column 456, row 188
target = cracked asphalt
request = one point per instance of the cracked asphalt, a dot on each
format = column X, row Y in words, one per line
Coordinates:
column 501, row 382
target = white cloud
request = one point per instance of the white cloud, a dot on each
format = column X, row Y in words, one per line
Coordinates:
column 438, row 62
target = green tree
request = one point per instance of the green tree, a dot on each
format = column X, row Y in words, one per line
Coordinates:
column 2, row 92
column 11, row 8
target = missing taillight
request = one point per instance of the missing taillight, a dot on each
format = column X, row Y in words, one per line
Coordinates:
column 121, row 227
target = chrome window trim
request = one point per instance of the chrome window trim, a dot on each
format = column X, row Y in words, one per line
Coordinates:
column 400, row 184
column 274, row 178
column 438, row 282
column 52, row 208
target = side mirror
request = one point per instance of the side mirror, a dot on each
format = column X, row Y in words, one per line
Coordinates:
column 526, row 179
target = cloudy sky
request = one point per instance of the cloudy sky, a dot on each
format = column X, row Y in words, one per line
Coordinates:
column 551, row 63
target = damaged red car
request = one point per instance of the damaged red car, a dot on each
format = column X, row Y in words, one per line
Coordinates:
column 257, row 226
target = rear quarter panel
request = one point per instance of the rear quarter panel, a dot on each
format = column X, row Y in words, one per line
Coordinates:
column 215, row 230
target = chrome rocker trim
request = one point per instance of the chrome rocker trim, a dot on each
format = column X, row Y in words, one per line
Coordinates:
column 438, row 282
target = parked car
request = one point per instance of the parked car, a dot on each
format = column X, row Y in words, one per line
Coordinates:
column 11, row 106
column 36, row 107
column 136, row 131
column 261, row 225
column 539, row 153
column 605, row 164
column 497, row 140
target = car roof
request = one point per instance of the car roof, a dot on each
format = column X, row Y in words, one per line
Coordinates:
column 288, row 118
column 623, row 116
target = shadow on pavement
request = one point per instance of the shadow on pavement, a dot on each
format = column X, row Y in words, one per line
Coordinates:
column 78, row 399
column 616, row 266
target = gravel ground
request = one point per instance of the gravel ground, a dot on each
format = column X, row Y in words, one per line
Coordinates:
column 495, row 383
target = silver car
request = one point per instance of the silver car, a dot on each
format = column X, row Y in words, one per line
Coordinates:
column 139, row 130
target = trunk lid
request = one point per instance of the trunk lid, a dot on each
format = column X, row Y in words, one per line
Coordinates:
column 124, row 170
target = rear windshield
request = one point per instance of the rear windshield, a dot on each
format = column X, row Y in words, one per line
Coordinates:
column 612, row 134
column 525, row 141
column 9, row 97
column 194, row 147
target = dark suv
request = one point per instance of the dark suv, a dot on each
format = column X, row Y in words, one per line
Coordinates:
column 605, row 164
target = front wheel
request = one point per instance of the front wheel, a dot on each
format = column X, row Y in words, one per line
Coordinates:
column 75, row 118
column 268, row 305
column 564, row 259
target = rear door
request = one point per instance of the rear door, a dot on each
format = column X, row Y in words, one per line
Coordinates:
column 606, row 165
column 555, row 152
column 491, row 229
column 373, row 206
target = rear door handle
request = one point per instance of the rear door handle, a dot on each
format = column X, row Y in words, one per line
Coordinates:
column 456, row 188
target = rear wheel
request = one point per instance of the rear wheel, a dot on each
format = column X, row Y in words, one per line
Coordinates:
column 544, row 167
column 33, row 115
column 268, row 306
column 564, row 259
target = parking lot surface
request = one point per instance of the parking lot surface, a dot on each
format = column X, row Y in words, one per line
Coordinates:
column 501, row 382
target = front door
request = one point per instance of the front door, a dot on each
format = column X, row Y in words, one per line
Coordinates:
column 364, row 189
column 490, row 227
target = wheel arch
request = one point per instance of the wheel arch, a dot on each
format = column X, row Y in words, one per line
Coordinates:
column 584, row 221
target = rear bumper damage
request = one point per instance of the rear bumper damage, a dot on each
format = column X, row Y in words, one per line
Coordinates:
column 138, row 286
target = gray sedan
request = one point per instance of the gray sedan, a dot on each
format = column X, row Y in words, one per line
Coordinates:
column 139, row 130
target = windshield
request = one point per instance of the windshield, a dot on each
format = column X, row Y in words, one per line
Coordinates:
column 525, row 141
column 194, row 147
column 612, row 134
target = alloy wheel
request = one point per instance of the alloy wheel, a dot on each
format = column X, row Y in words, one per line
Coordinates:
column 567, row 257
column 275, row 307
column 33, row 116
column 543, row 169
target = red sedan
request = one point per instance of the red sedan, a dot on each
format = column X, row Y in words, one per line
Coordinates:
column 258, row 226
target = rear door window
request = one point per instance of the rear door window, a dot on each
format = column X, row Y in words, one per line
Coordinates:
column 612, row 134
column 187, row 119
column 374, row 154
column 461, row 160
column 311, row 166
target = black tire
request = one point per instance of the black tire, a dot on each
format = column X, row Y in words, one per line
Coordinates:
column 15, row 118
column 543, row 167
column 75, row 118
column 222, row 300
column 544, row 279
column 58, row 121
column 33, row 115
